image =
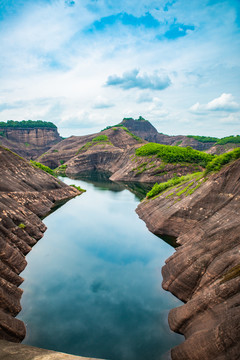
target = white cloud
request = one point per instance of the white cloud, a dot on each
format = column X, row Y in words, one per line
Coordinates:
column 224, row 103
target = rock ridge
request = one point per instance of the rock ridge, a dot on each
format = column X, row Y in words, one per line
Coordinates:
column 204, row 271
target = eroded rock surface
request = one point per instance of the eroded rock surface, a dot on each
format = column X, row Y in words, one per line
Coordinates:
column 204, row 271
column 116, row 158
column 29, row 142
column 26, row 195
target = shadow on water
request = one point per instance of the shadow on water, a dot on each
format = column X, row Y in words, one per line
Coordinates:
column 93, row 282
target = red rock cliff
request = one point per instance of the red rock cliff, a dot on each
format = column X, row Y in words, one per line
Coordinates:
column 204, row 271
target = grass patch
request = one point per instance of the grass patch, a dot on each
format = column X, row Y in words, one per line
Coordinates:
column 220, row 160
column 61, row 170
column 78, row 188
column 175, row 154
column 101, row 139
column 159, row 188
column 43, row 167
column 22, row 226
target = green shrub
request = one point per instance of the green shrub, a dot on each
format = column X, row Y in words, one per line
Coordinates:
column 43, row 167
column 27, row 124
column 158, row 188
column 204, row 139
column 22, row 226
column 101, row 139
column 78, row 188
column 61, row 162
column 229, row 139
column 175, row 154
column 220, row 160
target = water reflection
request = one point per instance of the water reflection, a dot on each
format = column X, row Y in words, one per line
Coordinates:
column 93, row 283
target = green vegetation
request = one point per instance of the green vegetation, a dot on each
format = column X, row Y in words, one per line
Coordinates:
column 2, row 133
column 101, row 139
column 27, row 124
column 78, row 188
column 204, row 139
column 43, row 167
column 55, row 150
column 228, row 139
column 61, row 162
column 175, row 154
column 22, row 226
column 61, row 170
column 159, row 188
column 220, row 160
column 26, row 144
column 178, row 142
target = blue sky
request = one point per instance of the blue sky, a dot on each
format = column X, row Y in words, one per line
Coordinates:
column 87, row 64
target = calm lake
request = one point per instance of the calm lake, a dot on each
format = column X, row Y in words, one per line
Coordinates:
column 93, row 282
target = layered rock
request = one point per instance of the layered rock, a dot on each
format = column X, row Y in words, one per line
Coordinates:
column 26, row 195
column 116, row 157
column 29, row 142
column 204, row 271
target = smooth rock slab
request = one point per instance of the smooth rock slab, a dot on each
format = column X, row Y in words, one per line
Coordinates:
column 13, row 351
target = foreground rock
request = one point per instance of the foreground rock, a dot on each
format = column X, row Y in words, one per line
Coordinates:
column 204, row 271
column 27, row 194
column 12, row 351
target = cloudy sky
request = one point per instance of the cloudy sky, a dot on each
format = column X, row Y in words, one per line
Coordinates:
column 86, row 64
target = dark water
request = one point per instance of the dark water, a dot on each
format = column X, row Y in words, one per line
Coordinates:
column 93, row 283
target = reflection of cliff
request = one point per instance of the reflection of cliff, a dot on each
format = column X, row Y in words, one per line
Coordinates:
column 26, row 195
column 204, row 271
column 29, row 142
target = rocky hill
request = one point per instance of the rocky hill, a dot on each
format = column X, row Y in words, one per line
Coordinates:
column 26, row 195
column 111, row 151
column 29, row 142
column 144, row 129
column 204, row 271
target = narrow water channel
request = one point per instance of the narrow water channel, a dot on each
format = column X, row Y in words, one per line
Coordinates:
column 93, row 282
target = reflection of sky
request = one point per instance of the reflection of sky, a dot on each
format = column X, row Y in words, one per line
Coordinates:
column 93, row 283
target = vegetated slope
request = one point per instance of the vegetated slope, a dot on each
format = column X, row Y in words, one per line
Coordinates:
column 28, row 138
column 115, row 152
column 26, row 195
column 204, row 271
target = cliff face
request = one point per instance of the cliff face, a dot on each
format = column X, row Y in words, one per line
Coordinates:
column 29, row 142
column 26, row 195
column 204, row 271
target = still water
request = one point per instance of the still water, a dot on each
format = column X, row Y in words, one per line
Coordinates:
column 93, row 282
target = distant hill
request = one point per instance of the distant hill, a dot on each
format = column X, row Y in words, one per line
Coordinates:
column 28, row 138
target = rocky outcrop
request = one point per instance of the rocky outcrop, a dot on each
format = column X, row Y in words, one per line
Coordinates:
column 29, row 142
column 147, row 131
column 204, row 271
column 27, row 194
column 116, row 157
